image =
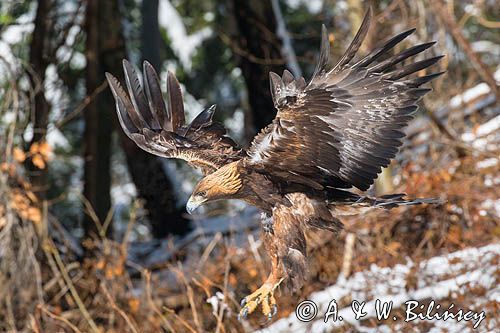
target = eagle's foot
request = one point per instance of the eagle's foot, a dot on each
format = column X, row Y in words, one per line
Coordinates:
column 264, row 296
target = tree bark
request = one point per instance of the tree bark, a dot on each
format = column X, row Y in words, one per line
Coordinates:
column 104, row 50
column 259, row 51
column 154, row 187
column 39, row 61
column 148, row 175
column 150, row 34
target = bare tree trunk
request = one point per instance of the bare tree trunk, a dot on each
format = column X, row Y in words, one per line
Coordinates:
column 150, row 34
column 105, row 49
column 147, row 170
column 39, row 61
column 259, row 52
column 154, row 187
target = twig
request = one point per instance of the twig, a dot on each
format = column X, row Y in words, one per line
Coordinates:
column 60, row 318
column 34, row 325
column 10, row 313
column 181, row 320
column 255, row 251
column 117, row 308
column 86, row 101
column 244, row 53
column 454, row 29
column 209, row 249
column 89, row 210
column 487, row 23
column 64, row 290
column 220, row 315
column 461, row 152
column 73, row 290
column 348, row 252
column 57, row 273
column 147, row 277
column 107, row 222
column 190, row 296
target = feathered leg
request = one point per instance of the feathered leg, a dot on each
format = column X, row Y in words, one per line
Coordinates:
column 285, row 243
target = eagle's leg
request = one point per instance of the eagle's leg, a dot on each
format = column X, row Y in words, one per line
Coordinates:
column 264, row 296
column 284, row 242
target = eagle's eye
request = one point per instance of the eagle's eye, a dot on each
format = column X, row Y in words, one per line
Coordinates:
column 202, row 194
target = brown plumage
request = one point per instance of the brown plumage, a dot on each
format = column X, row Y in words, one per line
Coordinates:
column 331, row 134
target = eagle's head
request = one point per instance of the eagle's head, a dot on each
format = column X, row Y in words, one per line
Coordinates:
column 224, row 183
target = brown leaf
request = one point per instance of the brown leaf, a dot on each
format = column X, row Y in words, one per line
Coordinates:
column 100, row 264
column 253, row 272
column 45, row 149
column 8, row 167
column 31, row 196
column 18, row 154
column 133, row 304
column 19, row 202
column 38, row 161
column 35, row 147
column 118, row 270
column 392, row 248
column 109, row 274
column 455, row 234
column 35, row 215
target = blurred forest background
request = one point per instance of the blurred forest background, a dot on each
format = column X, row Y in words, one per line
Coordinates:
column 93, row 231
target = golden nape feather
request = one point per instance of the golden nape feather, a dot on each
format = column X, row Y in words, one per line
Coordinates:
column 335, row 132
column 223, row 183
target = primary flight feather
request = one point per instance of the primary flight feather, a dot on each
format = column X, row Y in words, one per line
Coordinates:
column 333, row 133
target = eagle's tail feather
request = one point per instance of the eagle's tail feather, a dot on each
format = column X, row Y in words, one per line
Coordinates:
column 394, row 200
column 348, row 203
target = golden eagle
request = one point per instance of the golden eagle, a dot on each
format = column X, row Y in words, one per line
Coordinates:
column 333, row 133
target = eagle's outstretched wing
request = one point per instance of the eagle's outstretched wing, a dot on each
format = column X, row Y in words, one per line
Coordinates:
column 159, row 129
column 342, row 127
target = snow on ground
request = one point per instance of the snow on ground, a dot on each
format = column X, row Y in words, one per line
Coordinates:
column 469, row 95
column 438, row 278
column 485, row 137
column 236, row 223
column 472, row 99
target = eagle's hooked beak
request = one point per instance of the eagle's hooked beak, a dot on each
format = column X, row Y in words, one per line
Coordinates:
column 193, row 203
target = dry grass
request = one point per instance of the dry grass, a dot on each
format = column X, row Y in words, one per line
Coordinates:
column 45, row 289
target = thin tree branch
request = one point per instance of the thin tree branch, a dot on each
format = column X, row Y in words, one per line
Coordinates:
column 454, row 29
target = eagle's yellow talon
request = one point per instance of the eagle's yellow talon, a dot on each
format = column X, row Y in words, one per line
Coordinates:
column 266, row 308
column 264, row 296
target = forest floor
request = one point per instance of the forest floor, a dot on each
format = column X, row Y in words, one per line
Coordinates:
column 446, row 252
